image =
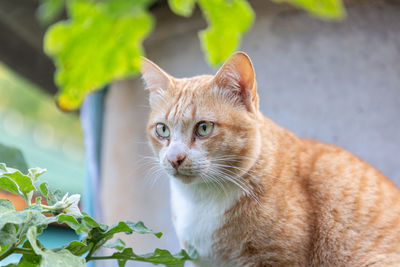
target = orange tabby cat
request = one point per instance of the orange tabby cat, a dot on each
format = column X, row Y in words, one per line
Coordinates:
column 246, row 192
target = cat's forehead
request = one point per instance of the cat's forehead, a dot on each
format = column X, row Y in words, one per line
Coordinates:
column 188, row 101
column 194, row 84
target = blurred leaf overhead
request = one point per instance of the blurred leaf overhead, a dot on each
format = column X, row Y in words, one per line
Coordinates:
column 102, row 40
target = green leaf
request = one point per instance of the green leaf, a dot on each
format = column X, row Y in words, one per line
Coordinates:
column 68, row 219
column 182, row 7
column 325, row 9
column 9, row 215
column 101, row 42
column 98, row 234
column 129, row 227
column 116, row 244
column 6, row 206
column 78, row 248
column 140, row 228
column 44, row 189
column 159, row 256
column 49, row 10
column 27, row 217
column 8, row 235
column 13, row 157
column 3, row 248
column 228, row 21
column 87, row 223
column 61, row 258
column 9, row 185
column 14, row 181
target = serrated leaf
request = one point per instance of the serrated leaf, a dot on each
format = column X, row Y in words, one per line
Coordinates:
column 228, row 21
column 61, row 258
column 182, row 7
column 159, row 256
column 100, row 234
column 13, row 157
column 140, row 228
column 101, row 42
column 325, row 9
column 115, row 244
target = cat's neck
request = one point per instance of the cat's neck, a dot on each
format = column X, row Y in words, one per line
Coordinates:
column 205, row 192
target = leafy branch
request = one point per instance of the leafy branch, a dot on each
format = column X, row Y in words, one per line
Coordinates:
column 19, row 229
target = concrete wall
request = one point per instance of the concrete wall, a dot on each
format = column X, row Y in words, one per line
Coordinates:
column 335, row 82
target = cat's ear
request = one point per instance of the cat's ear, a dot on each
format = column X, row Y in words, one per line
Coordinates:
column 156, row 80
column 236, row 79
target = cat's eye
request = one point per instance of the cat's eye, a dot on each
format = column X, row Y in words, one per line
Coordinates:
column 162, row 130
column 204, row 128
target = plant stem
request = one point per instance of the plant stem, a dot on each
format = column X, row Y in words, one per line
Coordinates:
column 24, row 251
column 99, row 258
column 13, row 249
column 108, row 258
column 116, row 257
column 49, row 208
column 89, row 255
column 7, row 253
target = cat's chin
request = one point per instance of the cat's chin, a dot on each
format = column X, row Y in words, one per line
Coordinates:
column 186, row 179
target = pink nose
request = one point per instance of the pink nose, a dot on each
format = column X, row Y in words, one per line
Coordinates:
column 177, row 160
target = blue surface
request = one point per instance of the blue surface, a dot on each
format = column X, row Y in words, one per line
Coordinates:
column 52, row 237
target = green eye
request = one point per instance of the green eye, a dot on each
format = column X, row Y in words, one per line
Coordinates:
column 204, row 128
column 162, row 130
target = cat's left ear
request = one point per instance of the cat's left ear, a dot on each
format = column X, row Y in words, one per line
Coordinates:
column 236, row 79
column 157, row 81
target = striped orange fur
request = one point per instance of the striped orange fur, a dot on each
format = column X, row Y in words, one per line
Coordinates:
column 251, row 193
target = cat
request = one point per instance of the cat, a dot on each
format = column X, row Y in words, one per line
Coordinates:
column 246, row 192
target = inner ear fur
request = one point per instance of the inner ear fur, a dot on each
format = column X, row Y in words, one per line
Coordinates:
column 154, row 77
column 157, row 81
column 237, row 75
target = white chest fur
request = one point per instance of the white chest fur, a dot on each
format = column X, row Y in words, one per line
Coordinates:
column 198, row 212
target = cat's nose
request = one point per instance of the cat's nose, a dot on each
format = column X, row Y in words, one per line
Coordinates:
column 177, row 160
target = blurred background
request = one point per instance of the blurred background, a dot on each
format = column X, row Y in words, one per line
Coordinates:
column 335, row 81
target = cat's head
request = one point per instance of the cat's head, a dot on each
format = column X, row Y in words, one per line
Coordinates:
column 204, row 128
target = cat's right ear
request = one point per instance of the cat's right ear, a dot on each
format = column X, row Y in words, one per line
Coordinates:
column 156, row 80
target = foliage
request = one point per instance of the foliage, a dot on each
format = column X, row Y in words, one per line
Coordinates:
column 102, row 40
column 19, row 229
column 326, row 9
column 225, row 30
